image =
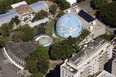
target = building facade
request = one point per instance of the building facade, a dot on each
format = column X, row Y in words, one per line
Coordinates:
column 89, row 61
column 114, row 67
column 105, row 74
column 72, row 2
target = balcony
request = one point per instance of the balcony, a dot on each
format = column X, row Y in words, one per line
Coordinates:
column 70, row 69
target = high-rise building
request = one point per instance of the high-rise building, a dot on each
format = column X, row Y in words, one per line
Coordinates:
column 89, row 61
column 114, row 67
column 105, row 74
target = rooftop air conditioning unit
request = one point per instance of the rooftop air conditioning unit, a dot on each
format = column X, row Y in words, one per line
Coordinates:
column 94, row 23
column 91, row 27
column 68, row 10
column 77, row 10
column 71, row 69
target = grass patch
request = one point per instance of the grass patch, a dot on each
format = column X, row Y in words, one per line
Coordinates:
column 53, row 66
column 0, row 67
column 107, row 37
column 58, row 39
column 49, row 28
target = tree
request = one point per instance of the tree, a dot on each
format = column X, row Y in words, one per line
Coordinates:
column 63, row 4
column 0, row 67
column 5, row 29
column 97, row 4
column 60, row 14
column 41, row 53
column 80, row 0
column 107, row 14
column 36, row 75
column 2, row 41
column 53, row 9
column 108, row 37
column 32, row 63
column 18, row 36
column 41, row 30
column 28, row 32
column 16, row 19
column 40, row 15
column 63, row 49
column 43, row 66
column 11, row 23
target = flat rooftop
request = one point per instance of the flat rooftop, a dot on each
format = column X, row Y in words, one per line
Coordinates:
column 86, row 19
column 105, row 74
column 21, row 50
column 24, row 9
column 87, row 52
column 86, row 16
column 40, row 5
column 8, row 16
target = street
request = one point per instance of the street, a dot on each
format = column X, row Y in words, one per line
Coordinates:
column 8, row 70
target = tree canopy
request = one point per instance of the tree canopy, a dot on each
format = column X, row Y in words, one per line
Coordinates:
column 18, row 36
column 41, row 53
column 28, row 32
column 63, row 4
column 107, row 14
column 36, row 75
column 41, row 30
column 40, row 15
column 43, row 66
column 65, row 48
column 108, row 37
column 53, row 9
column 60, row 14
column 37, row 61
column 97, row 4
column 80, row 0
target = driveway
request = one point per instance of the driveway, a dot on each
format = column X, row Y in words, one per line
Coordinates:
column 8, row 70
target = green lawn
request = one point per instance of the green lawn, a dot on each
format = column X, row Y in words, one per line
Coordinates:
column 49, row 28
column 0, row 67
column 53, row 66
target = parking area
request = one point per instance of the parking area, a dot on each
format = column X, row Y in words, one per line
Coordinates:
column 8, row 70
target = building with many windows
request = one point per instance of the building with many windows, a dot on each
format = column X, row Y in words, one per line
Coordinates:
column 114, row 67
column 89, row 61
column 105, row 74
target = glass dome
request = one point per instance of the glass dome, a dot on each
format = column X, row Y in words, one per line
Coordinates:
column 68, row 25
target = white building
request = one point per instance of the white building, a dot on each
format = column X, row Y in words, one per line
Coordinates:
column 24, row 11
column 72, row 2
column 105, row 74
column 114, row 67
column 89, row 61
